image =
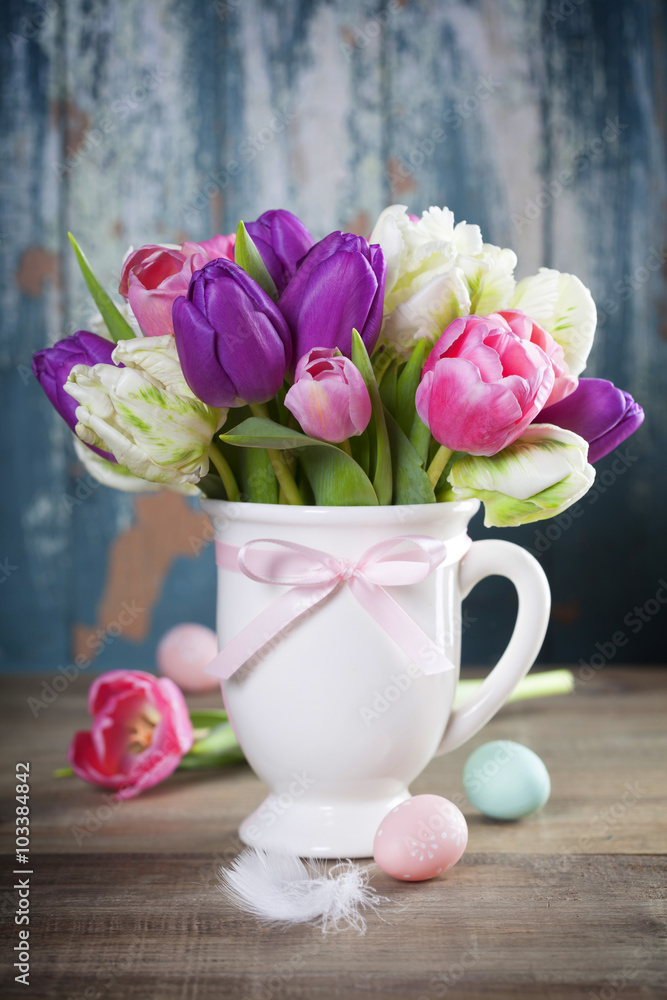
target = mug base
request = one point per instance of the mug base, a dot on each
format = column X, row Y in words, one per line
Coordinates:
column 316, row 828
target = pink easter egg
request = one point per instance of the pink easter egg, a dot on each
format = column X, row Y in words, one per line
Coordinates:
column 183, row 653
column 420, row 839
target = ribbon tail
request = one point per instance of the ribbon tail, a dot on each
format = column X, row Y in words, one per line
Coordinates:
column 265, row 627
column 398, row 624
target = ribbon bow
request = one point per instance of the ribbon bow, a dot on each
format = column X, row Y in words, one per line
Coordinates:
column 313, row 575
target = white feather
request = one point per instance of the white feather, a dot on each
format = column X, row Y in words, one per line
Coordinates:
column 281, row 887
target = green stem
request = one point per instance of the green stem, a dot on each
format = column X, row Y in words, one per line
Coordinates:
column 219, row 739
column 345, row 446
column 550, row 682
column 224, row 471
column 277, row 459
column 437, row 466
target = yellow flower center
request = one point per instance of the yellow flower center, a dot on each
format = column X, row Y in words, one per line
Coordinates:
column 140, row 730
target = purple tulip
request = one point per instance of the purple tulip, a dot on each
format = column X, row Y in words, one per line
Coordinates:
column 338, row 287
column 282, row 240
column 329, row 397
column 599, row 412
column 53, row 365
column 233, row 343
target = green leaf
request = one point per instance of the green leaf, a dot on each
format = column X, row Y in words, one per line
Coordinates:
column 335, row 478
column 257, row 479
column 63, row 772
column 247, row 256
column 407, row 387
column 116, row 323
column 420, row 438
column 388, row 386
column 411, row 484
column 382, row 475
column 206, row 718
column 260, row 432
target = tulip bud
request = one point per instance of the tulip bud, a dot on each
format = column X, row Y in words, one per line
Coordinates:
column 110, row 473
column 154, row 275
column 157, row 433
column 141, row 730
column 281, row 240
column 232, row 341
column 536, row 477
column 53, row 365
column 329, row 397
column 426, row 287
column 527, row 329
column 482, row 385
column 338, row 287
column 157, row 359
column 562, row 305
column 599, row 412
column 218, row 246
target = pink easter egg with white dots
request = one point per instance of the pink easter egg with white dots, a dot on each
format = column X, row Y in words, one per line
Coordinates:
column 184, row 652
column 420, row 839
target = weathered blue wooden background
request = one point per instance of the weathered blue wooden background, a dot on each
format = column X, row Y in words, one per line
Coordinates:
column 133, row 122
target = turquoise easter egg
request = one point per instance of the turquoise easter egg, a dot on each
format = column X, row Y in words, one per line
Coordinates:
column 506, row 780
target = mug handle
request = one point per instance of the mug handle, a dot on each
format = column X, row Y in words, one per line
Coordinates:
column 498, row 558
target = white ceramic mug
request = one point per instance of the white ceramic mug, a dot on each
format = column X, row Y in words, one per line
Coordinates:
column 332, row 715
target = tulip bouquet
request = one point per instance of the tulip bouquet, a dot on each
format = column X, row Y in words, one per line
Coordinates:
column 410, row 368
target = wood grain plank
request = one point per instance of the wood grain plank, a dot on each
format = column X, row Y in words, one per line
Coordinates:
column 605, row 748
column 143, row 926
column 566, row 905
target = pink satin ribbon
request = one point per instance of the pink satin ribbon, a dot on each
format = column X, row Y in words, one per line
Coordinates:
column 313, row 575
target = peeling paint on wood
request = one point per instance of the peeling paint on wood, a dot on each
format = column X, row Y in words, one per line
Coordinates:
column 36, row 265
column 165, row 527
column 128, row 123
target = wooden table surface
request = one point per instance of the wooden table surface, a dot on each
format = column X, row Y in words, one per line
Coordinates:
column 569, row 903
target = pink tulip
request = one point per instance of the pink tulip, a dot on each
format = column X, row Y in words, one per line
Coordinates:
column 482, row 385
column 526, row 328
column 153, row 276
column 219, row 246
column 329, row 397
column 141, row 730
